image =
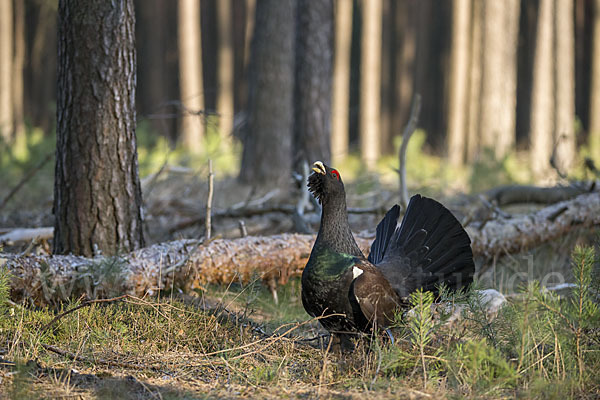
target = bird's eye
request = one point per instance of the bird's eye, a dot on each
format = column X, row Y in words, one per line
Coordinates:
column 335, row 174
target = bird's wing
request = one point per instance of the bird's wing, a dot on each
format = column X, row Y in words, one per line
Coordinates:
column 373, row 300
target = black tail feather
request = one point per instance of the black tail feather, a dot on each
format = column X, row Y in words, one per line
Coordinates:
column 385, row 230
column 434, row 244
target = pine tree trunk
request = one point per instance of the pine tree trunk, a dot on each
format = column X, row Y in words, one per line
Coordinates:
column 6, row 66
column 475, row 71
column 42, row 64
column 594, row 138
column 191, row 88
column 158, row 74
column 341, row 81
column 542, row 98
column 406, row 26
column 312, row 91
column 564, row 84
column 499, row 76
column 97, row 196
column 370, row 83
column 267, row 138
column 458, row 95
column 225, row 62
column 17, row 75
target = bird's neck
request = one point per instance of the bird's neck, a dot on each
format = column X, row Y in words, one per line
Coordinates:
column 334, row 232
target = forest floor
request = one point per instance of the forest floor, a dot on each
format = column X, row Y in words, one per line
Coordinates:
column 235, row 342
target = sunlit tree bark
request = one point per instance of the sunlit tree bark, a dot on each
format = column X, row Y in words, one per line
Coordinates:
column 17, row 75
column 341, row 80
column 459, row 75
column 594, row 140
column 225, row 62
column 6, row 65
column 475, row 71
column 499, row 76
column 191, row 88
column 370, row 82
column 564, row 83
column 542, row 99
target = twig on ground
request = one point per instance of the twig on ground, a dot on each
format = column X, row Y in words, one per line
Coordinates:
column 209, row 202
column 25, row 179
column 408, row 131
column 84, row 304
column 117, row 364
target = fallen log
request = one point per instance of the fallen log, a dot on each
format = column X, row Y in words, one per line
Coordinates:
column 514, row 194
column 182, row 265
column 525, row 231
column 188, row 264
column 17, row 235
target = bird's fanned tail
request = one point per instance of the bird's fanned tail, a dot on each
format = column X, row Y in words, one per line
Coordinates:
column 430, row 247
column 385, row 230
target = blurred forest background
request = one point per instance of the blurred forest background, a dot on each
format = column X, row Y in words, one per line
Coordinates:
column 508, row 88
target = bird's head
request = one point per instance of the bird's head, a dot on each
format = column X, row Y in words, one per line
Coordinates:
column 325, row 183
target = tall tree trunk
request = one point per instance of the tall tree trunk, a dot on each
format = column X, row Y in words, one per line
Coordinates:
column 475, row 71
column 406, row 22
column 594, row 140
column 459, row 75
column 6, row 66
column 225, row 62
column 341, row 81
column 527, row 32
column 584, row 54
column 267, row 138
column 242, row 83
column 499, row 76
column 387, row 78
column 433, row 48
column 42, row 64
column 370, row 83
column 157, row 67
column 314, row 65
column 97, row 195
column 17, row 75
column 191, row 88
column 250, row 18
column 564, row 84
column 542, row 98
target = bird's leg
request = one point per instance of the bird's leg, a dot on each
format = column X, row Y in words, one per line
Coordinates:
column 341, row 343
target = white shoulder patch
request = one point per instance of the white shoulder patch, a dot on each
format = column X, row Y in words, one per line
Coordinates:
column 356, row 272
